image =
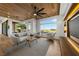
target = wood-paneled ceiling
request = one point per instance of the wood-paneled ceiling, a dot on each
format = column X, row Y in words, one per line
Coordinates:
column 22, row 11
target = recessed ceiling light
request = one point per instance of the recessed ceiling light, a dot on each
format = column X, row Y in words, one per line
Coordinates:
column 8, row 16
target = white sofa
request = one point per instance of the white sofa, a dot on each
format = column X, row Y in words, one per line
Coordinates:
column 51, row 36
column 19, row 37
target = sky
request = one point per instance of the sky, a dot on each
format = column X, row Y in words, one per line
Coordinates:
column 48, row 24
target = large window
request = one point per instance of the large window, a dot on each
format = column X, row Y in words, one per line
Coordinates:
column 18, row 27
column 48, row 25
column 5, row 28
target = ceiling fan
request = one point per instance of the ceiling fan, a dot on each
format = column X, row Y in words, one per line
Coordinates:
column 38, row 12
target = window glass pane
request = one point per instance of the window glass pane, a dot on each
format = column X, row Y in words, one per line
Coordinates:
column 48, row 25
column 29, row 26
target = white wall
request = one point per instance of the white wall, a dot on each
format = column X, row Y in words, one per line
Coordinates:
column 10, row 27
column 64, row 7
column 60, row 27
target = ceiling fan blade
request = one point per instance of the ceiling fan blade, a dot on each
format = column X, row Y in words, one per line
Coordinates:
column 40, row 10
column 35, row 7
column 42, row 13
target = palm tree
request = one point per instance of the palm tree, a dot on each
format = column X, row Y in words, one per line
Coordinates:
column 20, row 27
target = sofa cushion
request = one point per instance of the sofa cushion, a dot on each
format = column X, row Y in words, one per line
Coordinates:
column 16, row 35
column 23, row 38
column 21, row 34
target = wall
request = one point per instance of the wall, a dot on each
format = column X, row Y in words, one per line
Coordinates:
column 60, row 27
column 64, row 7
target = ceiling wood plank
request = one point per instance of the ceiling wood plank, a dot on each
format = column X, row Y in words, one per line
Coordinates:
column 25, row 10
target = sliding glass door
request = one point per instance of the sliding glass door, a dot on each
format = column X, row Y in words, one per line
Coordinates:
column 5, row 28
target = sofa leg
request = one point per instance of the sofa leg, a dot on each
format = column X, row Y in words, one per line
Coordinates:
column 29, row 43
column 17, row 44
